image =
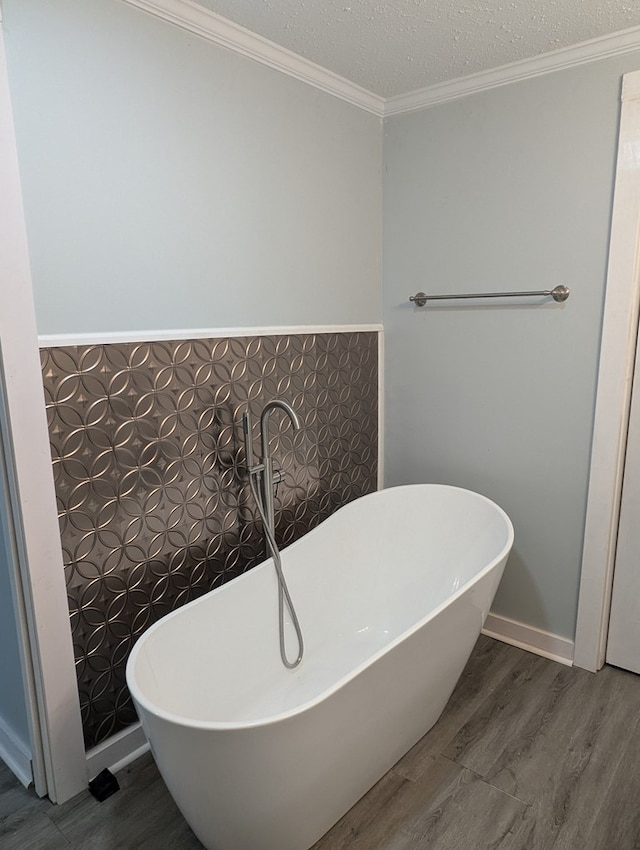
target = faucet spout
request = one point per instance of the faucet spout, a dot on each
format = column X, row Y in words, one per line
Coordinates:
column 276, row 403
column 265, row 460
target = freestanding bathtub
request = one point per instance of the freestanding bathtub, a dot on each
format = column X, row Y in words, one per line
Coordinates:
column 391, row 592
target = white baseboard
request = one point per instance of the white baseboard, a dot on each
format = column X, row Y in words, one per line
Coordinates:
column 118, row 751
column 532, row 639
column 15, row 755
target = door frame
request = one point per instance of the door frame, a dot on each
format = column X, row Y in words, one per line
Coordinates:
column 613, row 397
column 39, row 578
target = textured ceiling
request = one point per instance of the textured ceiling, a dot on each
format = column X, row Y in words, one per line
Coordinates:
column 394, row 47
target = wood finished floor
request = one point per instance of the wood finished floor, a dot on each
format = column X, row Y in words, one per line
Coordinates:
column 528, row 755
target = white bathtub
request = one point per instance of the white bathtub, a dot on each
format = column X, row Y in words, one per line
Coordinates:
column 391, row 592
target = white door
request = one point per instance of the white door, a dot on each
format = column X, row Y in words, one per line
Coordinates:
column 20, row 744
column 623, row 643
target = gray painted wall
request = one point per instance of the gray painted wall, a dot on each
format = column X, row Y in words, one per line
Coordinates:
column 170, row 183
column 509, row 189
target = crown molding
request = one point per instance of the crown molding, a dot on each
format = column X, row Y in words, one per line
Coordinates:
column 584, row 53
column 194, row 18
column 212, row 27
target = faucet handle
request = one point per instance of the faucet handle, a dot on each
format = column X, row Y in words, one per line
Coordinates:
column 248, row 439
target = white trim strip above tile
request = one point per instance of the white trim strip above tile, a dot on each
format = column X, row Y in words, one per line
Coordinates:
column 105, row 338
column 200, row 21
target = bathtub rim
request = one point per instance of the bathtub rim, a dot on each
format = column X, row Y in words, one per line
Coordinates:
column 228, row 725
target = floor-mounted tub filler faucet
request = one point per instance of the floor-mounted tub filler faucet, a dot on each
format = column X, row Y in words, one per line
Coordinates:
column 264, row 498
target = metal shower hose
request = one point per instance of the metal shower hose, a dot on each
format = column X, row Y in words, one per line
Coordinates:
column 283, row 590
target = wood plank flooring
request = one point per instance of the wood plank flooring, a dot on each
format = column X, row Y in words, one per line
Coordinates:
column 528, row 755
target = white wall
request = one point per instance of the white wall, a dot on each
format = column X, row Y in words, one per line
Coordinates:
column 169, row 183
column 509, row 189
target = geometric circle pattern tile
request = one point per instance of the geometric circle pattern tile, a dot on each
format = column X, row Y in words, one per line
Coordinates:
column 149, row 467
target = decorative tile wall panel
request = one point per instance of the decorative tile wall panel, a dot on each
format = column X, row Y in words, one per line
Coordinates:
column 148, row 461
